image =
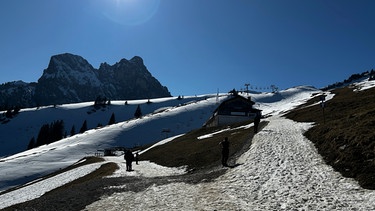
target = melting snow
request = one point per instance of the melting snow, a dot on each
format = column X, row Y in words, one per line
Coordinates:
column 281, row 171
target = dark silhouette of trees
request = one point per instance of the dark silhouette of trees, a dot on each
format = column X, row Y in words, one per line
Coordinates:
column 112, row 120
column 84, row 127
column 351, row 79
column 31, row 143
column 73, row 131
column 57, row 130
column 50, row 133
column 99, row 101
column 372, row 75
column 138, row 112
column 9, row 114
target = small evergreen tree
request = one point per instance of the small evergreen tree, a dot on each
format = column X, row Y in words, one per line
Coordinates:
column 138, row 112
column 112, row 120
column 73, row 131
column 9, row 114
column 31, row 143
column 84, row 127
column 16, row 110
column 372, row 75
column 43, row 135
column 56, row 131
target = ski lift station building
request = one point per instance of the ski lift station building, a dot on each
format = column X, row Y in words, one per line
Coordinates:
column 234, row 110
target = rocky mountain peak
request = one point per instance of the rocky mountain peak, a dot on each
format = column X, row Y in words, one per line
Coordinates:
column 70, row 78
column 137, row 60
column 68, row 62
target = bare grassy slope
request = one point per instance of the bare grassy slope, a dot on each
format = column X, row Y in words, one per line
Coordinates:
column 197, row 154
column 347, row 138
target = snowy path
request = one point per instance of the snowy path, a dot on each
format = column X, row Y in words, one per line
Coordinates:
column 281, row 171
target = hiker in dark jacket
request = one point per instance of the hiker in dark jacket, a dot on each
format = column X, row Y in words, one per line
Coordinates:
column 224, row 151
column 256, row 123
column 129, row 157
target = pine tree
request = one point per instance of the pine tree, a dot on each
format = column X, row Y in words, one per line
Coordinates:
column 31, row 143
column 138, row 112
column 56, row 131
column 43, row 135
column 9, row 114
column 112, row 120
column 73, row 131
column 84, row 127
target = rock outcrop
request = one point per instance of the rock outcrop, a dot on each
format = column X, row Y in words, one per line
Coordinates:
column 70, row 78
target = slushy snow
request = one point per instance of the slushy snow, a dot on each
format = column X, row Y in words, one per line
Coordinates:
column 281, row 171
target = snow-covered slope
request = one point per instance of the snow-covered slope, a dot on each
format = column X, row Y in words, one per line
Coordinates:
column 16, row 134
column 281, row 171
column 179, row 116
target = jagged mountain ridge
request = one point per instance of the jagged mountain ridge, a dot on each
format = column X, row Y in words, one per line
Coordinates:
column 71, row 78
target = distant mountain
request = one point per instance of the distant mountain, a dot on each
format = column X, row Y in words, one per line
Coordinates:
column 70, row 78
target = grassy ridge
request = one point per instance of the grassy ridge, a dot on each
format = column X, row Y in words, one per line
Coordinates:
column 345, row 137
column 188, row 151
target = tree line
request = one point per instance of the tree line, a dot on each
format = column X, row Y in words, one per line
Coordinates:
column 352, row 78
column 55, row 131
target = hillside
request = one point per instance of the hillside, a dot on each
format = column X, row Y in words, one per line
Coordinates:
column 177, row 115
column 277, row 169
column 344, row 135
column 16, row 132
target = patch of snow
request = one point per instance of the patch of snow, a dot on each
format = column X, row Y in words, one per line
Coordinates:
column 363, row 85
column 37, row 189
column 144, row 169
column 281, row 171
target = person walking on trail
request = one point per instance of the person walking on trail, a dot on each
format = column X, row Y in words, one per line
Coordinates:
column 256, row 123
column 129, row 157
column 224, row 151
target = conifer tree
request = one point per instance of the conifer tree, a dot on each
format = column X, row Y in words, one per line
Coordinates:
column 138, row 112
column 112, row 120
column 43, row 135
column 31, row 143
column 84, row 127
column 56, row 131
column 73, row 131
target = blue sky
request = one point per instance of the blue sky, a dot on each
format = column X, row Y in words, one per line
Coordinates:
column 195, row 46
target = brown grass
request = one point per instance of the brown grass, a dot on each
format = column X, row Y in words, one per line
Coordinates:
column 188, row 151
column 346, row 139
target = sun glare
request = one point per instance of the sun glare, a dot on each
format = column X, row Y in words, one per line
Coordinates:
column 130, row 12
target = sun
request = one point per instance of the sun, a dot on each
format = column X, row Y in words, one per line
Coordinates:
column 131, row 12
